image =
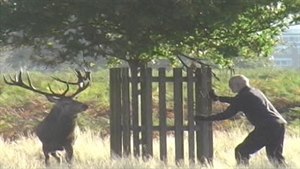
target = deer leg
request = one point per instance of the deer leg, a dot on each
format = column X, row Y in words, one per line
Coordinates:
column 69, row 153
column 46, row 154
column 56, row 156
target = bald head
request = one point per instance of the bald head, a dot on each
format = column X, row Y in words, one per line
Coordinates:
column 236, row 83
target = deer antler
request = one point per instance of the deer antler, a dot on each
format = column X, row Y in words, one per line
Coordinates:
column 82, row 83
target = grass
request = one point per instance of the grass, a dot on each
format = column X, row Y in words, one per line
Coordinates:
column 93, row 151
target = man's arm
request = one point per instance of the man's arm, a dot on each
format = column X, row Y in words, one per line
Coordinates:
column 215, row 97
column 226, row 99
column 229, row 112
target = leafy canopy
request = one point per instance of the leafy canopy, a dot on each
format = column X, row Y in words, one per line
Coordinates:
column 140, row 31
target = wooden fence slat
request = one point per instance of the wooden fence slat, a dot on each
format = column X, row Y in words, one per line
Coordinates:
column 210, row 151
column 205, row 104
column 190, row 107
column 125, row 112
column 204, row 137
column 162, row 115
column 146, row 112
column 198, row 112
column 115, row 117
column 178, row 111
column 135, row 111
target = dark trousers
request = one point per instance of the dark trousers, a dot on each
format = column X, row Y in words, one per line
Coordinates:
column 271, row 137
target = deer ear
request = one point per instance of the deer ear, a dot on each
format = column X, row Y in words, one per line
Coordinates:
column 52, row 99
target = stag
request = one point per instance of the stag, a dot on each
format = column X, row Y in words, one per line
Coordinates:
column 56, row 131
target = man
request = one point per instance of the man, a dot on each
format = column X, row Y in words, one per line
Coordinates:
column 269, row 124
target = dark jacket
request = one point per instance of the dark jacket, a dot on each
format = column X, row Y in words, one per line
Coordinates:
column 254, row 104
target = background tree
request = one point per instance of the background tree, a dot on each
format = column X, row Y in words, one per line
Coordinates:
column 139, row 31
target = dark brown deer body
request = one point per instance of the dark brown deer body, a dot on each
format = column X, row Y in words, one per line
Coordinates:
column 56, row 131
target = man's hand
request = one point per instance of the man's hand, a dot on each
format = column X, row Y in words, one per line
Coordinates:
column 213, row 95
column 200, row 118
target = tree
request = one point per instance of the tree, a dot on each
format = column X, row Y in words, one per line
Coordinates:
column 138, row 31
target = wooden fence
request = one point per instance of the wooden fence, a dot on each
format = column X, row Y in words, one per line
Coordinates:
column 137, row 96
